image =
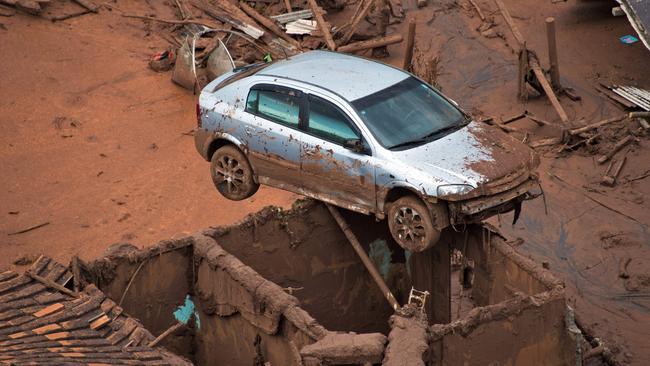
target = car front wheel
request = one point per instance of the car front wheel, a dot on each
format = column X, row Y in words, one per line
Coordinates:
column 411, row 225
column 232, row 173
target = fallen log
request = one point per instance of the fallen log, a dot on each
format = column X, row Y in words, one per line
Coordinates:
column 371, row 43
column 577, row 131
column 269, row 24
column 619, row 145
column 322, row 24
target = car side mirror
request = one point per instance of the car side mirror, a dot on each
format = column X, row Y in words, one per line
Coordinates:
column 355, row 145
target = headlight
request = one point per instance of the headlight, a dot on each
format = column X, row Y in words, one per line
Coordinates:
column 453, row 189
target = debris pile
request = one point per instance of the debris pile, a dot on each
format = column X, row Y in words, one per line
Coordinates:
column 251, row 32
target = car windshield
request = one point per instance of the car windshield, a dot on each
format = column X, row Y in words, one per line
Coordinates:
column 409, row 113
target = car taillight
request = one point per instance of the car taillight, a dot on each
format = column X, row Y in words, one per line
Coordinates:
column 198, row 115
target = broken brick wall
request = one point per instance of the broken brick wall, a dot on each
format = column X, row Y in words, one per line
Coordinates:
column 158, row 280
column 521, row 315
column 306, row 250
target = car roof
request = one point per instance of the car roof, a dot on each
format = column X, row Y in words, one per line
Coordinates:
column 349, row 76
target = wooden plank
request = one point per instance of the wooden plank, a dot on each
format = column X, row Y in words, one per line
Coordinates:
column 7, row 275
column 47, row 328
column 548, row 90
column 324, row 26
column 269, row 24
column 100, row 322
column 40, row 264
column 48, row 310
column 122, row 333
column 27, row 291
column 13, row 283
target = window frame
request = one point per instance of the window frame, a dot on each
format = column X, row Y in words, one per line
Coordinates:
column 299, row 95
column 349, row 120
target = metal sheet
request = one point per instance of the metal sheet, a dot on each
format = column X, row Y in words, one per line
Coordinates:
column 219, row 62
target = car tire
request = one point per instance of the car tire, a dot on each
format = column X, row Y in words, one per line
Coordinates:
column 411, row 224
column 232, row 173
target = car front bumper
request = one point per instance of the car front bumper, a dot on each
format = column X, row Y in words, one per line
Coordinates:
column 481, row 208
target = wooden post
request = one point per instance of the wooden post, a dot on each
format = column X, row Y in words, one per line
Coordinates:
column 552, row 53
column 371, row 43
column 522, row 93
column 364, row 257
column 408, row 48
column 324, row 27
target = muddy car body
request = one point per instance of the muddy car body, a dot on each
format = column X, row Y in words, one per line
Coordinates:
column 309, row 125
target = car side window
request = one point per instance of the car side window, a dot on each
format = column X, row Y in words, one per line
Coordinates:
column 327, row 121
column 279, row 106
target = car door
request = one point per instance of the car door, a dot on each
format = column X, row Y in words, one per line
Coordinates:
column 332, row 168
column 273, row 134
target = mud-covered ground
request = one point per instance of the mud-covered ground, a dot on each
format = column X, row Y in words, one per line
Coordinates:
column 98, row 146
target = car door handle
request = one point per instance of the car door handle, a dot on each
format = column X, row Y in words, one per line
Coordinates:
column 310, row 152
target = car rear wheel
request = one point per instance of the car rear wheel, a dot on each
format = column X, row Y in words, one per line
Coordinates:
column 232, row 173
column 411, row 224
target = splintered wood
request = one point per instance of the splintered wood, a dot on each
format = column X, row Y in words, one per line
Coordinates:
column 43, row 325
column 324, row 26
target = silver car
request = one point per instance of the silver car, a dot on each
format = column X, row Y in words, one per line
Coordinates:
column 364, row 136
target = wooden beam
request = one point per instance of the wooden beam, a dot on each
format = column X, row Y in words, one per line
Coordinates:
column 550, row 94
column 49, row 283
column 324, row 26
column 363, row 256
column 577, row 131
column 371, row 43
column 511, row 23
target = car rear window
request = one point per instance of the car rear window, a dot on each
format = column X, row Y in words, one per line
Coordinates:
column 277, row 106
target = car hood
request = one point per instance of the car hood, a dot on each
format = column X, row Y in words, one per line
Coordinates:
column 476, row 154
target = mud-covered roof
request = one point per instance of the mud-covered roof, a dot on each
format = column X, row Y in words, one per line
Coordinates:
column 349, row 76
column 40, row 324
